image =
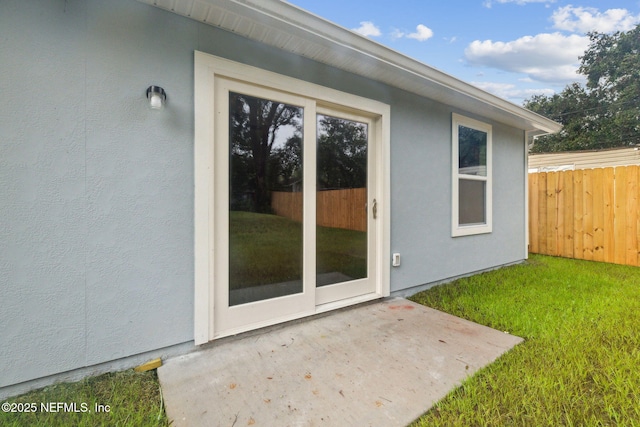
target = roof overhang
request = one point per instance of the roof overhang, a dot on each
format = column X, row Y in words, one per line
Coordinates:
column 285, row 26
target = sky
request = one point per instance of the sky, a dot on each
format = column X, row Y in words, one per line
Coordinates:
column 512, row 48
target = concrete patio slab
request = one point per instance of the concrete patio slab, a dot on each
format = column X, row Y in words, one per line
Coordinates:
column 380, row 364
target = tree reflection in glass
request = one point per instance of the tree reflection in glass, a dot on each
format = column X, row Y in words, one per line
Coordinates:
column 472, row 161
column 341, row 218
column 265, row 249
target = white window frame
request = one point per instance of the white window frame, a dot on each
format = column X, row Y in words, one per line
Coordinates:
column 458, row 229
column 207, row 69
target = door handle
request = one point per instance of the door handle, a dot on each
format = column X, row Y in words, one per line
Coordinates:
column 375, row 209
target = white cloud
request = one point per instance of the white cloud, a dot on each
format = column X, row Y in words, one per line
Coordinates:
column 422, row 33
column 585, row 19
column 510, row 91
column 489, row 3
column 368, row 29
column 552, row 58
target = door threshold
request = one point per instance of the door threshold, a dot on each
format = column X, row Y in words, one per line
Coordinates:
column 347, row 302
column 321, row 311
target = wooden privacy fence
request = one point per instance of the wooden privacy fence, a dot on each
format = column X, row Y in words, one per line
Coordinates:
column 334, row 208
column 587, row 214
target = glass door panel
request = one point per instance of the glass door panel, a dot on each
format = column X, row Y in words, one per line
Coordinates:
column 265, row 199
column 341, row 200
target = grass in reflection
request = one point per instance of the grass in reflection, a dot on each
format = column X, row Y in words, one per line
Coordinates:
column 265, row 249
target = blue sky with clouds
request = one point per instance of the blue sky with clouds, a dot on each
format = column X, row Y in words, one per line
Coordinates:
column 512, row 48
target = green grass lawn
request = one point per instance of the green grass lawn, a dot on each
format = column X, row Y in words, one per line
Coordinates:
column 580, row 362
column 128, row 399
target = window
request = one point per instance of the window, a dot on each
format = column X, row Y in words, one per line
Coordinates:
column 471, row 165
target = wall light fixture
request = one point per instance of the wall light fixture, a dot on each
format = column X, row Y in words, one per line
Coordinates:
column 157, row 97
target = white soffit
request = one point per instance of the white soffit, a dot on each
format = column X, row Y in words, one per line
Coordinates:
column 285, row 26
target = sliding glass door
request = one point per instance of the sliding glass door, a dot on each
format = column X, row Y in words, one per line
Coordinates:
column 295, row 205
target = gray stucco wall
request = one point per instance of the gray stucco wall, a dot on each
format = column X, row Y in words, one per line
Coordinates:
column 97, row 197
column 96, row 201
column 421, row 199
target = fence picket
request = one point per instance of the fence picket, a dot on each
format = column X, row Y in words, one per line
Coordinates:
column 620, row 214
column 542, row 216
column 598, row 214
column 587, row 215
column 632, row 223
column 638, row 222
column 609, row 214
column 552, row 213
column 567, row 211
column 533, row 212
column 578, row 215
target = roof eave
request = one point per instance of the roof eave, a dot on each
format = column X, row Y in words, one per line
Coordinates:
column 291, row 28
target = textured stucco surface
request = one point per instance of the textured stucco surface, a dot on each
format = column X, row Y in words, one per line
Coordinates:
column 96, row 211
column 97, row 194
column 43, row 217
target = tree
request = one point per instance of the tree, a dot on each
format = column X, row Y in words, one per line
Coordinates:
column 606, row 112
column 285, row 165
column 342, row 153
column 254, row 127
column 266, row 152
column 580, row 114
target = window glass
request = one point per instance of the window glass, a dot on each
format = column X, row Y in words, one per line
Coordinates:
column 472, row 202
column 341, row 218
column 265, row 199
column 472, row 151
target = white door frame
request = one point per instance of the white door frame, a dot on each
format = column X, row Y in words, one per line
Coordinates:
column 207, row 69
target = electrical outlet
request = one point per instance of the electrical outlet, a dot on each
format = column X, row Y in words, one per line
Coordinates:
column 396, row 260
